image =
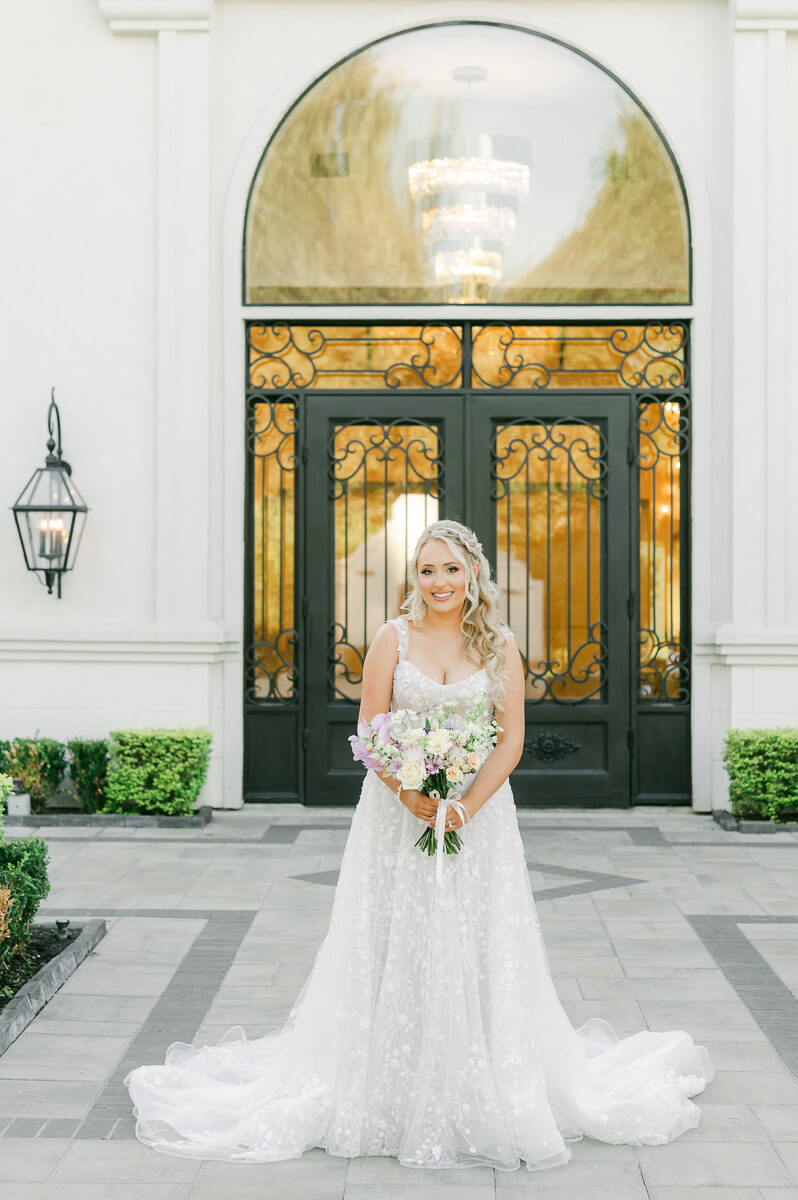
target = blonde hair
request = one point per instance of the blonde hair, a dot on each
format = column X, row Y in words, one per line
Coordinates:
column 482, row 629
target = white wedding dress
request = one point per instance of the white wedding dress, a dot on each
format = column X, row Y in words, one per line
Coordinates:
column 429, row 1027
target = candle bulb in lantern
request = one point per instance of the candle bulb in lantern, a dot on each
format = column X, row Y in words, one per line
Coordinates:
column 42, row 538
column 57, row 526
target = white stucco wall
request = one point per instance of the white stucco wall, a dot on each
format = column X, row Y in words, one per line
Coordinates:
column 134, row 127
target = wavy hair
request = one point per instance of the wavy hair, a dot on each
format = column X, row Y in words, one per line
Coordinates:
column 482, row 629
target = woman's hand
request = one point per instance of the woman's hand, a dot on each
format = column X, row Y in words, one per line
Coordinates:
column 453, row 818
column 421, row 806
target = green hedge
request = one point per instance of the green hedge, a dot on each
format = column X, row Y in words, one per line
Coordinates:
column 39, row 761
column 762, row 765
column 89, row 771
column 23, row 875
column 156, row 770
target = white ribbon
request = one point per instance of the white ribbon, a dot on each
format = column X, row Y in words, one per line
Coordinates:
column 440, row 821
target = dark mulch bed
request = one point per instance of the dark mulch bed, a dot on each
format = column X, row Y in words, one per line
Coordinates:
column 43, row 945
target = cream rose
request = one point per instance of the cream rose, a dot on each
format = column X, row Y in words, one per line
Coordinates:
column 474, row 760
column 454, row 775
column 412, row 773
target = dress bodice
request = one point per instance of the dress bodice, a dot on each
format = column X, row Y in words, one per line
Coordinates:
column 413, row 688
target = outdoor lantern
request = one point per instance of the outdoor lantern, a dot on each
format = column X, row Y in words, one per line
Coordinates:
column 50, row 513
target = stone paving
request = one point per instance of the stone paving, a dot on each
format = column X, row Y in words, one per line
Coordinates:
column 654, row 917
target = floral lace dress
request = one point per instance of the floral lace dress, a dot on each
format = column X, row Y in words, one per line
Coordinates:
column 429, row 1027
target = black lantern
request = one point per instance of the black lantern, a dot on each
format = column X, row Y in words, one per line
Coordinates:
column 50, row 513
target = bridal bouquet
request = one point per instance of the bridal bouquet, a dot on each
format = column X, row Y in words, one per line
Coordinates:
column 432, row 753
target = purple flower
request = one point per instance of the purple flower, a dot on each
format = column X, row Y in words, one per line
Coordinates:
column 361, row 752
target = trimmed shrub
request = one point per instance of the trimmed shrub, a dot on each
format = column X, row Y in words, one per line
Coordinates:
column 89, row 771
column 156, row 770
column 762, row 765
column 23, row 875
column 39, row 762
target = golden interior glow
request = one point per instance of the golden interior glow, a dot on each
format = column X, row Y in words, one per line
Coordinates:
column 578, row 356
column 385, row 494
column 351, row 356
column 660, row 557
column 274, row 520
column 548, row 561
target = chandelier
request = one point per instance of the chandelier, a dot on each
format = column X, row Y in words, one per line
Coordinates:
column 467, row 189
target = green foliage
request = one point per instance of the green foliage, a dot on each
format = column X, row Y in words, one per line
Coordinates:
column 156, row 770
column 23, row 877
column 6, row 788
column 762, row 765
column 89, row 771
column 39, row 762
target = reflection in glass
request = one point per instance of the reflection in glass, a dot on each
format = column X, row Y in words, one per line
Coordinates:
column 385, row 486
column 466, row 162
column 354, row 356
column 663, row 426
column 271, row 432
column 549, row 512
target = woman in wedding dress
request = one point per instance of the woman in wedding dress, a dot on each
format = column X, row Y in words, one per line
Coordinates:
column 429, row 1027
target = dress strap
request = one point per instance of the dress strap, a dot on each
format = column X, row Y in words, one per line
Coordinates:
column 401, row 629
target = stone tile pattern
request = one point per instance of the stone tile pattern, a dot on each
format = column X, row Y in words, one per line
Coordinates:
column 642, row 918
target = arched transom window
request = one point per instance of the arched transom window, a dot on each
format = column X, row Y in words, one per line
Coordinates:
column 471, row 163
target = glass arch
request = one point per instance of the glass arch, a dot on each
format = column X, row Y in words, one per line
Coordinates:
column 467, row 162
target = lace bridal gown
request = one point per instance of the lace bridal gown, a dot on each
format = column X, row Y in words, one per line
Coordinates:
column 427, row 1031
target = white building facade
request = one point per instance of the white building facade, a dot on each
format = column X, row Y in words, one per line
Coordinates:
column 286, row 261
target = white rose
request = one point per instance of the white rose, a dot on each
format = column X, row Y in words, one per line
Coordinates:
column 412, row 773
column 414, row 737
column 438, row 741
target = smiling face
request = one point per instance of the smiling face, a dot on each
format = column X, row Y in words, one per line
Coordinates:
column 441, row 577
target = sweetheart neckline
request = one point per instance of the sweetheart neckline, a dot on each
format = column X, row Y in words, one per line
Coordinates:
column 437, row 682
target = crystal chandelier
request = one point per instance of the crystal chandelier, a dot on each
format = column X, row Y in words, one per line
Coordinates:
column 467, row 189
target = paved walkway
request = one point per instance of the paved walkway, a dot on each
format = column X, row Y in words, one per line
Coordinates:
column 652, row 918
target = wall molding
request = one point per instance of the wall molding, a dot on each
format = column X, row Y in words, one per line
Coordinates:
column 130, row 644
column 152, row 16
column 748, row 646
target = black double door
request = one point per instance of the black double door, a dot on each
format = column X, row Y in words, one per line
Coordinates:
column 546, row 481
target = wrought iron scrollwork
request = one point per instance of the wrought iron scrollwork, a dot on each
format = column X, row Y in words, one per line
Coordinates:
column 375, row 470
column 663, row 421
column 271, row 656
column 285, row 355
column 548, row 746
column 565, row 462
column 539, row 357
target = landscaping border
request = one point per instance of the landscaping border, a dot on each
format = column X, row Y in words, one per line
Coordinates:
column 152, row 820
column 727, row 820
column 33, row 995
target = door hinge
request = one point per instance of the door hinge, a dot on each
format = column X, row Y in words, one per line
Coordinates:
column 305, row 606
column 304, row 454
column 631, row 454
column 630, row 738
column 630, row 604
column 305, row 738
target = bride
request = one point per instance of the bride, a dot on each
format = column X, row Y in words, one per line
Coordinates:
column 429, row 1027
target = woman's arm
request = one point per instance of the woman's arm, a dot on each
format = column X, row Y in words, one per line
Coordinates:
column 378, row 669
column 509, row 747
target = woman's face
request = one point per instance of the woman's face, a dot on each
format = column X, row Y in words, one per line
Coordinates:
column 441, row 577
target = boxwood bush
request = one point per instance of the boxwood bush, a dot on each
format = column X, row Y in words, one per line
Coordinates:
column 40, row 762
column 88, row 770
column 156, row 770
column 24, row 883
column 762, row 765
